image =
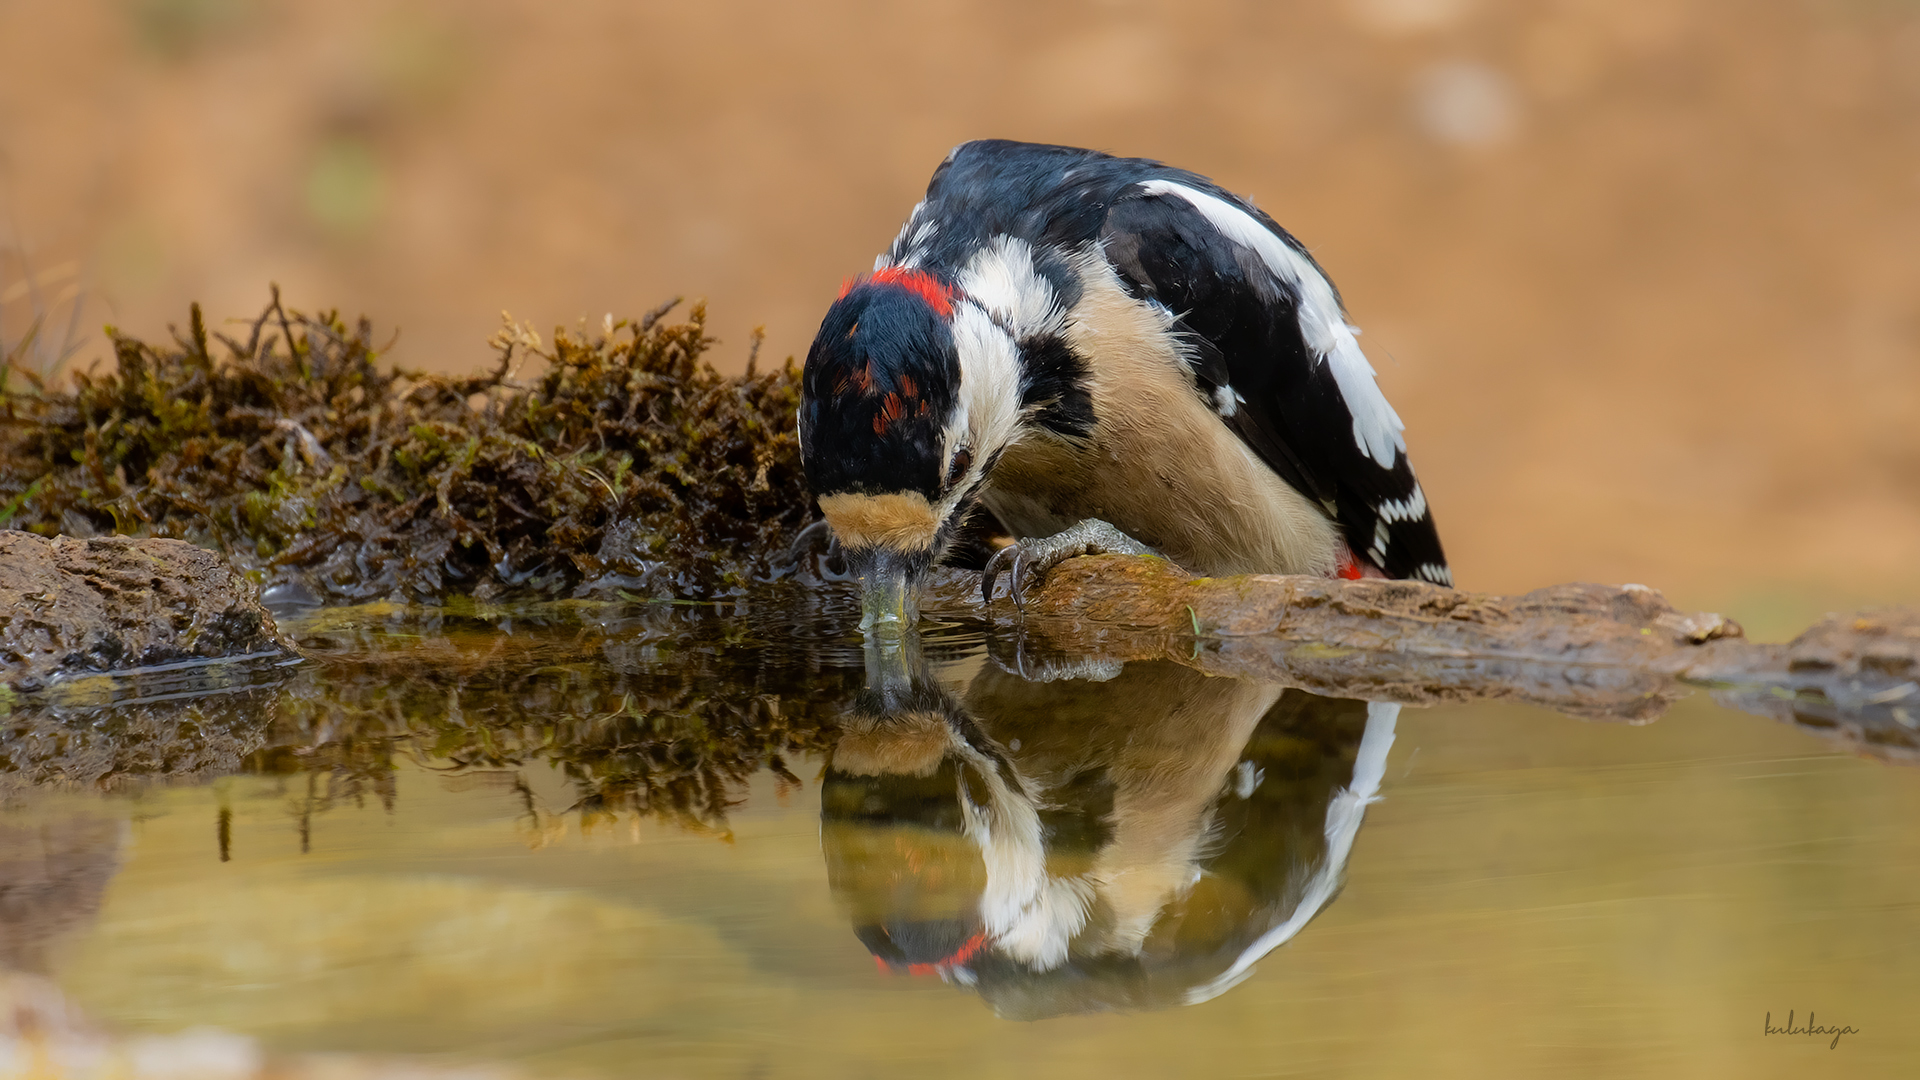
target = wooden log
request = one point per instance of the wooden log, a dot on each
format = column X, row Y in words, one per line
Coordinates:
column 1595, row 651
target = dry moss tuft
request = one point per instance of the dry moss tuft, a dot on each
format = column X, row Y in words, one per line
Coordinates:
column 629, row 465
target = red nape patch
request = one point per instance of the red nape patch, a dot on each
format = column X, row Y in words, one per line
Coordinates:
column 918, row 282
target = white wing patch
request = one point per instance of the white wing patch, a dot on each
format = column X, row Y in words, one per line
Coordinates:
column 1344, row 815
column 1226, row 400
column 1003, row 279
column 1376, row 427
column 1411, row 508
column 988, row 406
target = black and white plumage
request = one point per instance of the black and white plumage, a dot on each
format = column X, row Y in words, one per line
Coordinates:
column 1063, row 335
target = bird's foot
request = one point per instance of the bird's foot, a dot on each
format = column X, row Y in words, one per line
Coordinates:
column 1089, row 537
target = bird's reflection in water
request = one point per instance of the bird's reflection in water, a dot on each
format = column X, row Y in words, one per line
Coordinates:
column 1129, row 839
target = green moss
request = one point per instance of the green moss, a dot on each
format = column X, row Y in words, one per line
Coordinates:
column 626, row 465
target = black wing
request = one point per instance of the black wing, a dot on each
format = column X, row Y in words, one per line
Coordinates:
column 1263, row 350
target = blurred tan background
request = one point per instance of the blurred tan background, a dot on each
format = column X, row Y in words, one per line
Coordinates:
column 1640, row 275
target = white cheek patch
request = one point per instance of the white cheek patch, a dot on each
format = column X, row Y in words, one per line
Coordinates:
column 1030, row 914
column 1002, row 278
column 988, row 409
column 1376, row 427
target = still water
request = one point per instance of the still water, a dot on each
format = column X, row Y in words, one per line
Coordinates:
column 664, row 842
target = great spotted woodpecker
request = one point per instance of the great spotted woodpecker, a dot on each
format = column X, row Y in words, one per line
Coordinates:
column 1110, row 354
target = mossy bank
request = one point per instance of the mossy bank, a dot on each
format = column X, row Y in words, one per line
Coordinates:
column 620, row 464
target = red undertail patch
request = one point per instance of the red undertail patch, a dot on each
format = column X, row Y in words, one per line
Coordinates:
column 1353, row 568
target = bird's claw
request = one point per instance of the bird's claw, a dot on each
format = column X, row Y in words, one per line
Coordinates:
column 1005, row 560
column 1089, row 537
column 1015, row 654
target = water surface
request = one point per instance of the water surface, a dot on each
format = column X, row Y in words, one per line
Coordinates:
column 677, row 841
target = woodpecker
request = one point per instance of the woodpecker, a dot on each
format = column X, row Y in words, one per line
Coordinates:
column 1110, row 354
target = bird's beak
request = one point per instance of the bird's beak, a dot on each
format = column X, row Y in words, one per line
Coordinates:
column 889, row 587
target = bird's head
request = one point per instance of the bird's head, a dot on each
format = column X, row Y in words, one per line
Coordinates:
column 909, row 392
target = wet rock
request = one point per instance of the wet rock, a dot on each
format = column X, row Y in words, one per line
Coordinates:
column 70, row 607
column 111, row 743
column 1883, row 643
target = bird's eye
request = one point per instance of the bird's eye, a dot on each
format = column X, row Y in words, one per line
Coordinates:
column 962, row 460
